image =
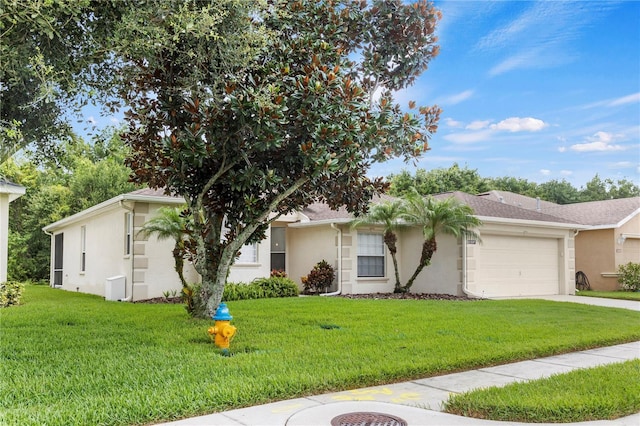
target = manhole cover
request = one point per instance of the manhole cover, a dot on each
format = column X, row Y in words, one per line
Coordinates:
column 367, row 419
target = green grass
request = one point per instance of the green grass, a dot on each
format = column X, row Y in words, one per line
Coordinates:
column 624, row 295
column 70, row 358
column 606, row 392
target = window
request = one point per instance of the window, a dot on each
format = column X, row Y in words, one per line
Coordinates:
column 278, row 249
column 83, row 248
column 370, row 255
column 248, row 254
column 128, row 230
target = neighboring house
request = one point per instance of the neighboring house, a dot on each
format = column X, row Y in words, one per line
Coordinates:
column 611, row 239
column 101, row 251
column 522, row 252
column 8, row 192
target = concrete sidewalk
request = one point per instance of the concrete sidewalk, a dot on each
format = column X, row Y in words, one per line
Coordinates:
column 419, row 402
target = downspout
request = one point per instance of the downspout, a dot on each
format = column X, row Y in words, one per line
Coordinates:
column 337, row 292
column 50, row 234
column 132, row 254
column 465, row 288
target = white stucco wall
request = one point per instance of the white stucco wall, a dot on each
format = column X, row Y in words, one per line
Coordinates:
column 308, row 246
column 443, row 275
column 8, row 193
column 104, row 252
column 4, row 235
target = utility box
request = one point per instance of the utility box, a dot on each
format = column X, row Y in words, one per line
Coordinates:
column 114, row 288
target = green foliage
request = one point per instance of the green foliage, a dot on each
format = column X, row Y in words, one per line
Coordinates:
column 319, row 279
column 10, row 293
column 52, row 52
column 281, row 351
column 85, row 175
column 605, row 392
column 277, row 286
column 629, row 276
column 439, row 180
column 456, row 179
column 261, row 288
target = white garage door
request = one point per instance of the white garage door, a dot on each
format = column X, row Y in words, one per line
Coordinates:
column 517, row 266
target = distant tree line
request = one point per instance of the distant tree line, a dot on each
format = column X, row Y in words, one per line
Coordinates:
column 82, row 175
column 468, row 180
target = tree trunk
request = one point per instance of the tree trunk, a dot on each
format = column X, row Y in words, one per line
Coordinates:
column 429, row 247
column 390, row 240
column 179, row 264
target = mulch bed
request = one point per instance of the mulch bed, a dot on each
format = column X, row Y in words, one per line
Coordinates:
column 375, row 296
column 157, row 300
column 412, row 296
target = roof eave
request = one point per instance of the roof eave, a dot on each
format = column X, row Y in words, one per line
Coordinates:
column 322, row 222
column 111, row 203
column 533, row 223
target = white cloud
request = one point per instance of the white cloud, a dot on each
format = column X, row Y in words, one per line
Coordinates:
column 453, row 123
column 91, row 120
column 566, row 172
column 600, row 141
column 456, row 98
column 635, row 97
column 478, row 124
column 114, row 120
column 622, row 165
column 541, row 34
column 545, row 172
column 562, row 149
column 517, row 124
column 468, row 137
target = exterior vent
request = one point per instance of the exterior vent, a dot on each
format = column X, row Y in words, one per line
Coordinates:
column 114, row 288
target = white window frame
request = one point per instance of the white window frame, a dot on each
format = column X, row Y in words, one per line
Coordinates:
column 83, row 248
column 371, row 246
column 128, row 233
column 248, row 254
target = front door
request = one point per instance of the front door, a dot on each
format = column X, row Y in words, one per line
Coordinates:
column 278, row 249
column 57, row 259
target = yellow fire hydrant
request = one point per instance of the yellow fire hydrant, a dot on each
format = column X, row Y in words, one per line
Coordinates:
column 222, row 330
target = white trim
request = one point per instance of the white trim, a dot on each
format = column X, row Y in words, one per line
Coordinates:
column 340, row 221
column 532, row 223
column 109, row 204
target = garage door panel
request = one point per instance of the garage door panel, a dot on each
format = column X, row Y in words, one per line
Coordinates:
column 517, row 266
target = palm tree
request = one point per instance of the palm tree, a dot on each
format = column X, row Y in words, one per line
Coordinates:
column 170, row 223
column 389, row 214
column 436, row 217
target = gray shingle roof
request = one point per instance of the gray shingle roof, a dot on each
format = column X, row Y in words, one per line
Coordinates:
column 594, row 213
column 517, row 200
column 598, row 213
column 489, row 208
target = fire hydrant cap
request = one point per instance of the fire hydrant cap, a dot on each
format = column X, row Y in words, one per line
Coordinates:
column 222, row 313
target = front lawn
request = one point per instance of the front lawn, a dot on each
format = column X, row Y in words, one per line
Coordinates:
column 624, row 295
column 70, row 358
column 606, row 392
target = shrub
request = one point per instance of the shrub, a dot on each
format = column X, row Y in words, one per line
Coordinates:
column 260, row 288
column 10, row 293
column 278, row 273
column 277, row 286
column 192, row 298
column 319, row 279
column 629, row 276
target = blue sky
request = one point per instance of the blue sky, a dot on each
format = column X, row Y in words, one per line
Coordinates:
column 538, row 90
